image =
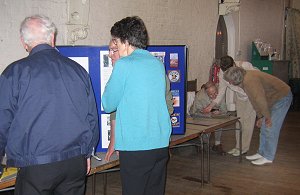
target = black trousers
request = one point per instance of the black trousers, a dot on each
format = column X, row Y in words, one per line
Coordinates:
column 144, row 172
column 60, row 178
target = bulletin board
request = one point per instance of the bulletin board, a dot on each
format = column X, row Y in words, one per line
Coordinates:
column 97, row 63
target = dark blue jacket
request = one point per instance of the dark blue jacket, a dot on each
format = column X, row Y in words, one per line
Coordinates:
column 47, row 109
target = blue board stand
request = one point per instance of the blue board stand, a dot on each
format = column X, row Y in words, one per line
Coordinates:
column 95, row 60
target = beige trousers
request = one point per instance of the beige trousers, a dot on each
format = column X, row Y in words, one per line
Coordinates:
column 247, row 116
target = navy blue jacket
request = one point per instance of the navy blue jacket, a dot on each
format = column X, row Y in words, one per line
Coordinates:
column 47, row 109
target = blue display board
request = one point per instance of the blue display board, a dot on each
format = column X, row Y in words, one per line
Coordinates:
column 174, row 58
column 95, row 60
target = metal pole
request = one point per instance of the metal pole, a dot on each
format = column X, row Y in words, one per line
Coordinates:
column 104, row 183
column 202, row 159
column 241, row 142
column 208, row 157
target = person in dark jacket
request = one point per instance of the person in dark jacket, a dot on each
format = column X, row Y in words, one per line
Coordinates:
column 48, row 115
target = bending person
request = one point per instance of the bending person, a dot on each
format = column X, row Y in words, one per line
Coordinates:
column 271, row 99
column 244, row 108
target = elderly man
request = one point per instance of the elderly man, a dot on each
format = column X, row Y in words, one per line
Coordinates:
column 48, row 115
column 271, row 99
column 204, row 97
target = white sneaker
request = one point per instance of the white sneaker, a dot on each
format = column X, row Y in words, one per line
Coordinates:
column 254, row 157
column 261, row 161
column 232, row 151
column 237, row 152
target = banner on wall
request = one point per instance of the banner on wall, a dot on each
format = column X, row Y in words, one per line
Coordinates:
column 97, row 63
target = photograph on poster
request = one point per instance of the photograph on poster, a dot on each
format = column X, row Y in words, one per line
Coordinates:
column 106, row 61
column 105, row 130
column 175, row 119
column 160, row 56
column 83, row 61
column 176, row 99
column 105, row 70
column 174, row 60
column 174, row 76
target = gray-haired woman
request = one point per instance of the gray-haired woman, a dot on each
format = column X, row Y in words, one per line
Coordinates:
column 271, row 99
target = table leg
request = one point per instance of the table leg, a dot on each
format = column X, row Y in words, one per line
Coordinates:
column 94, row 184
column 202, row 160
column 208, row 157
column 104, row 183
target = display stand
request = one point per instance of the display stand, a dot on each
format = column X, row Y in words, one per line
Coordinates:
column 96, row 61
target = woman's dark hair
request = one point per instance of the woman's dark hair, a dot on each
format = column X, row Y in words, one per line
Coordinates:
column 226, row 62
column 131, row 29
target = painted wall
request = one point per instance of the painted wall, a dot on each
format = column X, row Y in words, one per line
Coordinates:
column 295, row 4
column 12, row 12
column 258, row 19
column 189, row 22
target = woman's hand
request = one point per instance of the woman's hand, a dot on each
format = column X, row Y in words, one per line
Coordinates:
column 110, row 151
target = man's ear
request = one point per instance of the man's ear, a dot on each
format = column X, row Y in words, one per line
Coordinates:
column 25, row 46
column 52, row 40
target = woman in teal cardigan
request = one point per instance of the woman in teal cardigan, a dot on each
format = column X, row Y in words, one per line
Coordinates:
column 136, row 91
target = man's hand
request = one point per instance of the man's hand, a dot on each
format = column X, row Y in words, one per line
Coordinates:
column 216, row 112
column 207, row 109
column 259, row 122
column 268, row 122
column 88, row 165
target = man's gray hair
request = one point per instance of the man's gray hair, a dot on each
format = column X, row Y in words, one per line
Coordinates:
column 37, row 29
column 234, row 75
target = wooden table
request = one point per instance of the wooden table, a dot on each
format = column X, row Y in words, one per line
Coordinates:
column 103, row 167
column 206, row 126
column 195, row 128
column 96, row 167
